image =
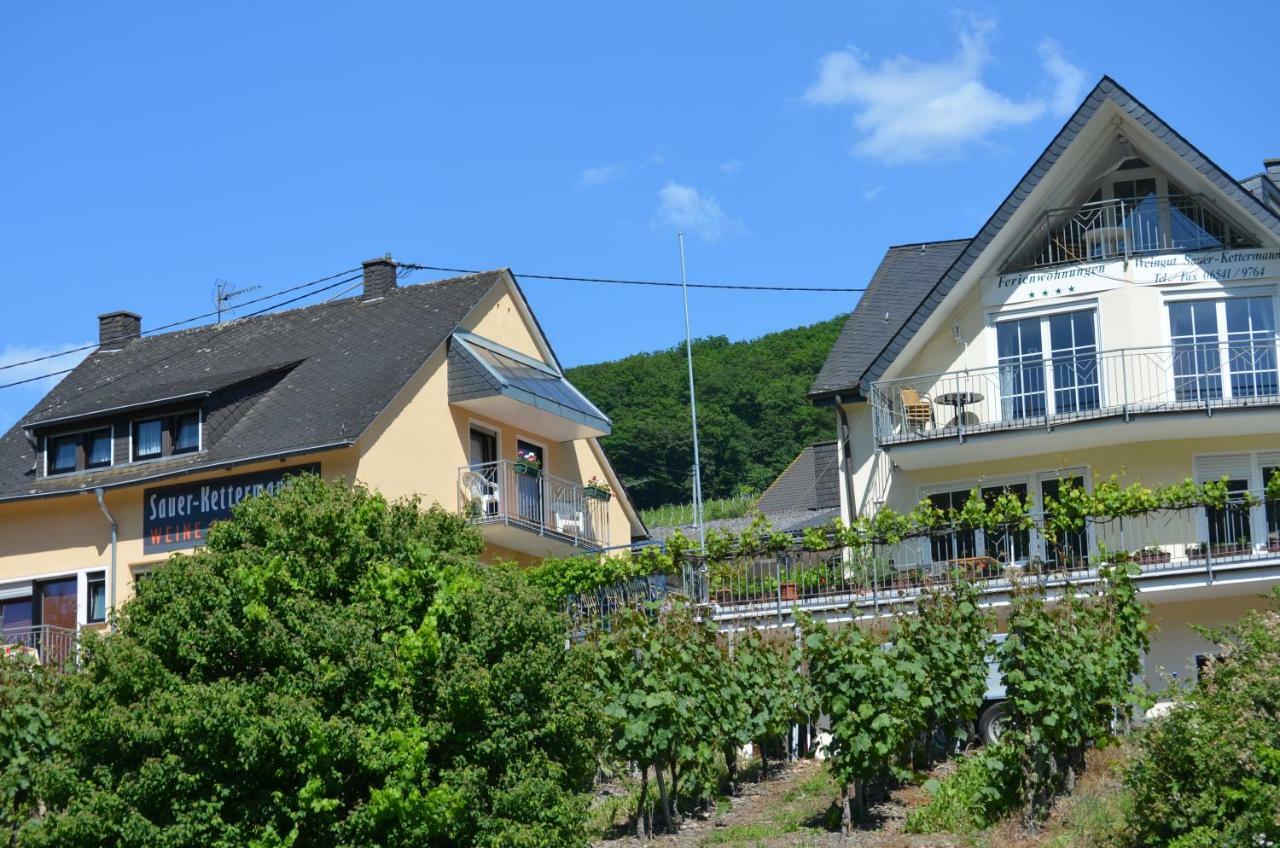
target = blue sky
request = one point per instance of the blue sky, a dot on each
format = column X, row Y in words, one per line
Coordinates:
column 152, row 149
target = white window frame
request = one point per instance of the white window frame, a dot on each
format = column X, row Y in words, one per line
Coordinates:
column 1044, row 314
column 1219, row 296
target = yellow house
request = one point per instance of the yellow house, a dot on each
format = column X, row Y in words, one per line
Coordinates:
column 1116, row 315
column 448, row 391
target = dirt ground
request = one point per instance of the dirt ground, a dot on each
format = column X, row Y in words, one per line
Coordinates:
column 794, row 809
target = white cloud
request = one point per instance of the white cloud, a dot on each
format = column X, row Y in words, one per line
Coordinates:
column 907, row 110
column 686, row 209
column 601, row 175
column 731, row 167
column 1067, row 79
column 869, row 194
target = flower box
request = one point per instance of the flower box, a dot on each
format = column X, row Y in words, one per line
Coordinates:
column 789, row 592
column 1151, row 557
column 527, row 468
column 597, row 494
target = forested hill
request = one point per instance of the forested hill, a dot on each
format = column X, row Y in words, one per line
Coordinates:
column 753, row 415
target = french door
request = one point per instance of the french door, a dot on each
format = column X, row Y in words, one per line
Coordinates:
column 1201, row 330
column 1064, row 381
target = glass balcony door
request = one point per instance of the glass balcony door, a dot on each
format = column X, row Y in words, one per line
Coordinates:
column 1201, row 329
column 1064, row 382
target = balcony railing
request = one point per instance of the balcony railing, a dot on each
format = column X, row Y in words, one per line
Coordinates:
column 55, row 647
column 1118, row 229
column 1198, row 544
column 501, row 493
column 1036, row 392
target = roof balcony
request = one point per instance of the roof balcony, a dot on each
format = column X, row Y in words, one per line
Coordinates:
column 523, row 508
column 1110, row 230
column 1040, row 404
column 54, row 647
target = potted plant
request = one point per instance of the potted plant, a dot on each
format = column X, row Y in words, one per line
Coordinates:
column 1195, row 551
column 597, row 489
column 527, row 463
column 788, row 591
column 1151, row 555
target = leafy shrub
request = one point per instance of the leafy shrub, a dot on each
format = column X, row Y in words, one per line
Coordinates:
column 27, row 736
column 981, row 790
column 332, row 669
column 1208, row 773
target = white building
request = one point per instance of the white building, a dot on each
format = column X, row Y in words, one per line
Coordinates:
column 1116, row 315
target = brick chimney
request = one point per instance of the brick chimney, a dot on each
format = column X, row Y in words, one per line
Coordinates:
column 115, row 329
column 379, row 277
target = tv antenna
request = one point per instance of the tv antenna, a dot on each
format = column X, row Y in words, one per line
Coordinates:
column 223, row 293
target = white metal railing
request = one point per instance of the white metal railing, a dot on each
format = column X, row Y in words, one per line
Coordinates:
column 1117, row 229
column 1194, row 541
column 47, row 644
column 1031, row 392
column 506, row 492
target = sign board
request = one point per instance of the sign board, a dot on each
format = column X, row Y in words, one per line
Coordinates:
column 177, row 517
column 1168, row 269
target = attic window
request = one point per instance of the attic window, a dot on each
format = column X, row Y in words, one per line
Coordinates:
column 148, row 439
column 62, row 454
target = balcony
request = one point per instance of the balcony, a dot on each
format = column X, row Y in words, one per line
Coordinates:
column 534, row 513
column 1119, row 229
column 1035, row 394
column 50, row 646
column 1176, row 551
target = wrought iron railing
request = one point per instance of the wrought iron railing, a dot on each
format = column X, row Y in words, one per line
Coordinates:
column 1199, row 542
column 1117, row 229
column 510, row 493
column 51, row 646
column 1029, row 392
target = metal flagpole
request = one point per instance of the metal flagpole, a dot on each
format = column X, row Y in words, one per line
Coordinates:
column 693, row 408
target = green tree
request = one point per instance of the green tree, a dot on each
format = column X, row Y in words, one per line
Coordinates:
column 27, row 737
column 753, row 411
column 332, row 669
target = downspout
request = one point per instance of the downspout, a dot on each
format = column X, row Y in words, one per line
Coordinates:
column 846, row 449
column 111, row 575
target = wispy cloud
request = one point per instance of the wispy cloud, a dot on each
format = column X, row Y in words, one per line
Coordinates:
column 685, row 208
column 731, row 167
column 907, row 110
column 601, row 175
column 871, row 192
column 1067, row 79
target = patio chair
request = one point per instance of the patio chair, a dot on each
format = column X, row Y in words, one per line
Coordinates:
column 917, row 409
column 479, row 489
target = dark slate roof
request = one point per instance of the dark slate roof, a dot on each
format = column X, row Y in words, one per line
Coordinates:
column 332, row 368
column 906, row 275
column 810, row 482
column 1106, row 90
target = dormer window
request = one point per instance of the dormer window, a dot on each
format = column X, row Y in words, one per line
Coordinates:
column 97, row 448
column 186, row 433
column 79, row 451
column 148, row 439
column 63, row 453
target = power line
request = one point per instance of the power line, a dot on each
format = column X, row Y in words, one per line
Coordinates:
column 6, row 366
column 661, row 283
column 220, row 328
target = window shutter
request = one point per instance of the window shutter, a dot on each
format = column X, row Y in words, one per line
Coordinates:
column 1233, row 466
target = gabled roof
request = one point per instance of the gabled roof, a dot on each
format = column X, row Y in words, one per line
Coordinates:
column 810, row 482
column 906, row 275
column 1106, row 91
column 321, row 375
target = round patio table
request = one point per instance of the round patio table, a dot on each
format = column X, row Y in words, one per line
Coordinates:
column 959, row 400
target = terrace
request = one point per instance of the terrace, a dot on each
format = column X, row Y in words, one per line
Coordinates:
column 527, row 509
